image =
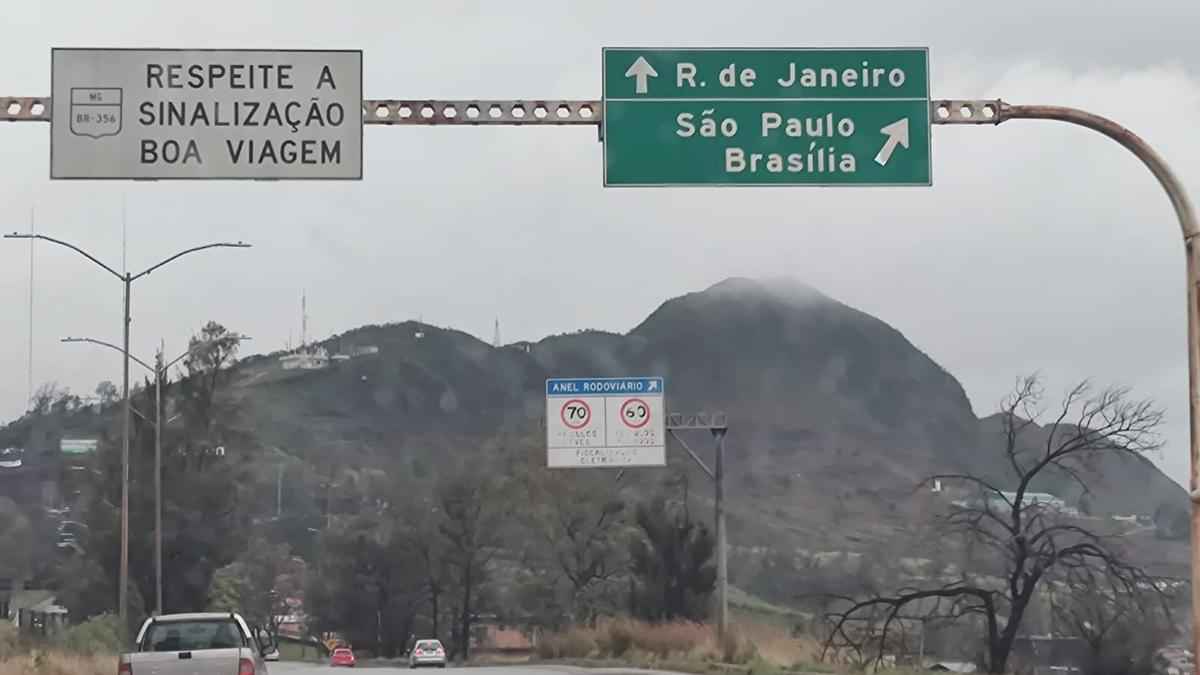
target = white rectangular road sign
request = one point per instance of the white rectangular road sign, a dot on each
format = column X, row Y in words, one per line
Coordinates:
column 79, row 446
column 605, row 422
column 197, row 114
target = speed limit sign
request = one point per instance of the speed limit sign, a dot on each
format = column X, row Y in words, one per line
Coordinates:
column 605, row 422
column 575, row 413
column 635, row 413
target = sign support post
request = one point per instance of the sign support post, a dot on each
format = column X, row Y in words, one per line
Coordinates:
column 717, row 425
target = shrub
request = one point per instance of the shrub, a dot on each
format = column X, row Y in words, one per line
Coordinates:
column 9, row 638
column 53, row 663
column 576, row 643
column 98, row 635
column 616, row 638
column 736, row 648
column 676, row 637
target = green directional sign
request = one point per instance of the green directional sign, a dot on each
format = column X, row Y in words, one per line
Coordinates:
column 679, row 117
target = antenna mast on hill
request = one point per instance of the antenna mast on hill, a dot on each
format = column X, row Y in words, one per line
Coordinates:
column 496, row 334
column 29, row 374
column 303, row 319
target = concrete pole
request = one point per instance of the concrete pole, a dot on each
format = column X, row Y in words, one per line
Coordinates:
column 158, row 531
column 722, row 549
column 123, row 588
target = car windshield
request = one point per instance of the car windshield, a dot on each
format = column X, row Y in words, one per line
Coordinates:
column 429, row 644
column 178, row 636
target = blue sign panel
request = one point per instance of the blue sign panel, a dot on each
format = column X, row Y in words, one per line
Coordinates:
column 603, row 386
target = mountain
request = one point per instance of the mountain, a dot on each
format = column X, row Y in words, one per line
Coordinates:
column 835, row 417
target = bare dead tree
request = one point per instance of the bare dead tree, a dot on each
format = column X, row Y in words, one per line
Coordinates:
column 1030, row 537
column 1121, row 626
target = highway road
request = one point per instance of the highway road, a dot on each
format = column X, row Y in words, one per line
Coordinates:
column 287, row 668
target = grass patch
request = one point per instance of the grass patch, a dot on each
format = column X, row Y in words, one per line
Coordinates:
column 749, row 648
column 38, row 662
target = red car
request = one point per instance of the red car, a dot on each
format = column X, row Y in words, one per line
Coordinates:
column 342, row 656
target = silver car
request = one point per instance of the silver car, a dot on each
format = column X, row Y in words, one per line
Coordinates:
column 427, row 653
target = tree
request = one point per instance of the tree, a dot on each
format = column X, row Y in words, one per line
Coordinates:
column 430, row 553
column 16, row 555
column 471, row 509
column 53, row 399
column 1121, row 629
column 366, row 587
column 1172, row 521
column 256, row 583
column 576, row 544
column 672, row 563
column 1032, row 539
column 209, row 355
column 107, row 392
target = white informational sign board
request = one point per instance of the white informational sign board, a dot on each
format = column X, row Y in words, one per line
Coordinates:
column 605, row 422
column 205, row 114
column 79, row 446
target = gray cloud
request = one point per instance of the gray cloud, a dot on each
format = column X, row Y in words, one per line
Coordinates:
column 1040, row 247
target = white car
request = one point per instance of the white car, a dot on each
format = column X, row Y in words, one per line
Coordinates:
column 11, row 458
column 427, row 653
column 197, row 644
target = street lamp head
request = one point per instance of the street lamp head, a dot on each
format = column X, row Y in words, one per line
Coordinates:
column 18, row 235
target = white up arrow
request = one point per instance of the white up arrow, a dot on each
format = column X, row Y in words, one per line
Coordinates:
column 897, row 133
column 641, row 69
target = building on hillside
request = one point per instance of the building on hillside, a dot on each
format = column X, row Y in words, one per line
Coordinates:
column 953, row 667
column 493, row 636
column 305, row 358
column 35, row 612
column 1002, row 502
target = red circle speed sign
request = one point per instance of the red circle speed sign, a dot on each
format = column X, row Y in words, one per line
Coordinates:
column 576, row 413
column 635, row 413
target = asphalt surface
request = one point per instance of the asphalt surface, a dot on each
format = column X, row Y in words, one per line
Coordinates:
column 291, row 668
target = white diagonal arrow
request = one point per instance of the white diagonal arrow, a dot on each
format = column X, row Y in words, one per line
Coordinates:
column 897, row 133
column 640, row 70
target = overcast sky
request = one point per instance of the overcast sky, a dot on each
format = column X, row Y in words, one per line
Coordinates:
column 1039, row 247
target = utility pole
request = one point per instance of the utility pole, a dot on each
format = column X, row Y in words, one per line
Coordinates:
column 160, row 372
column 127, row 280
column 717, row 424
column 722, row 546
column 123, row 588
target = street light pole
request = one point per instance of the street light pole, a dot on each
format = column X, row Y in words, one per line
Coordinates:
column 127, row 280
column 123, row 588
column 159, row 369
column 955, row 111
column 159, row 373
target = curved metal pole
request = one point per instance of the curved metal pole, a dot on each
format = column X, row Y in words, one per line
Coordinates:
column 110, row 345
column 1131, row 141
column 150, row 269
column 1187, row 224
column 73, row 247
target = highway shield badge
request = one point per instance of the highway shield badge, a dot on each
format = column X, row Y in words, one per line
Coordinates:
column 95, row 111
